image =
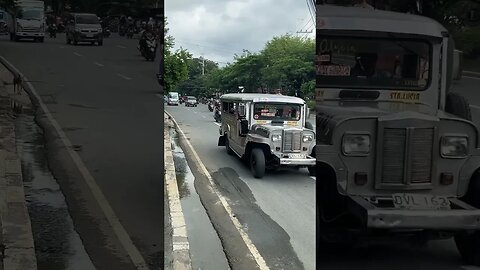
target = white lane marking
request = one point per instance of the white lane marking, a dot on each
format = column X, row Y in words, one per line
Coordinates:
column 475, row 106
column 124, row 77
column 218, row 124
column 98, row 64
column 77, row 54
column 204, row 116
column 469, row 77
column 195, row 112
column 121, row 47
column 246, row 239
column 102, row 201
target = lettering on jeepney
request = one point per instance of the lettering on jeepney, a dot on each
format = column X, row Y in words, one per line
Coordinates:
column 405, row 96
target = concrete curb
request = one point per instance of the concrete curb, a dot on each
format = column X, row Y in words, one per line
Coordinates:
column 181, row 247
column 18, row 243
column 471, row 74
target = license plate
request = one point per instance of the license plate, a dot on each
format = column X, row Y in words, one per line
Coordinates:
column 296, row 156
column 420, row 201
column 89, row 35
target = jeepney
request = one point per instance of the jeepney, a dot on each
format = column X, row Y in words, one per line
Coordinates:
column 396, row 150
column 267, row 131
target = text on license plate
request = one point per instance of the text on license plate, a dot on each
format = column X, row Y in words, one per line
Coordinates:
column 420, row 201
column 297, row 156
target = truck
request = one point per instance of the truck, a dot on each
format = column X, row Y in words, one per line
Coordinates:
column 397, row 152
column 27, row 21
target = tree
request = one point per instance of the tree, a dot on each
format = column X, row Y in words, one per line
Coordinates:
column 175, row 63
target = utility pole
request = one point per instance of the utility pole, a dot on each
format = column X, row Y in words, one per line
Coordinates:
column 203, row 65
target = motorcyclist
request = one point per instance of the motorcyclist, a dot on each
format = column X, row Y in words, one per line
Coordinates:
column 145, row 34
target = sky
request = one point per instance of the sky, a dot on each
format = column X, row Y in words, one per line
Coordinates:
column 219, row 29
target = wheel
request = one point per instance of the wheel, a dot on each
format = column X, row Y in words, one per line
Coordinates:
column 75, row 42
column 68, row 40
column 458, row 105
column 100, row 43
column 16, row 38
column 227, row 146
column 41, row 40
column 257, row 162
column 468, row 243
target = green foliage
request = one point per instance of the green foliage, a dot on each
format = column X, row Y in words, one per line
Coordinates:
column 175, row 63
column 286, row 62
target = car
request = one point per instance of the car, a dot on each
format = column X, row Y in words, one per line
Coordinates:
column 397, row 152
column 191, row 101
column 83, row 27
column 173, row 98
column 268, row 131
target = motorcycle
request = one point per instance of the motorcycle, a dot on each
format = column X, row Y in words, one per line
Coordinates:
column 217, row 115
column 149, row 48
column 52, row 30
column 210, row 107
column 106, row 32
column 130, row 32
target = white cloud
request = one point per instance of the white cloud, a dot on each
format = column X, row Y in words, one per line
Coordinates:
column 220, row 28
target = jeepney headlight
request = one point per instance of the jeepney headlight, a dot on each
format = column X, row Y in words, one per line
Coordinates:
column 307, row 138
column 276, row 137
column 454, row 146
column 356, row 144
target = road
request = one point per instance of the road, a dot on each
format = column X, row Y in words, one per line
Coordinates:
column 104, row 99
column 277, row 210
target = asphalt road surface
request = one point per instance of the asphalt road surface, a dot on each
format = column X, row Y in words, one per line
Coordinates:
column 104, row 98
column 277, row 210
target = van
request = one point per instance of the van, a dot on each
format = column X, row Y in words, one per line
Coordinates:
column 83, row 27
column 173, row 98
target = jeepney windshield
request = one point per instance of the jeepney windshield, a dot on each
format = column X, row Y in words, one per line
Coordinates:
column 357, row 62
column 276, row 111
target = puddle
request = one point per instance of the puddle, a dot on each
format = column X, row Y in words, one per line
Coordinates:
column 57, row 244
column 200, row 230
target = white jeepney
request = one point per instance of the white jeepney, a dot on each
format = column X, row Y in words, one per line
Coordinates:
column 396, row 150
column 268, row 131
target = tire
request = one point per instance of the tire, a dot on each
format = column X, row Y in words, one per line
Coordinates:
column 468, row 244
column 312, row 170
column 100, row 43
column 257, row 162
column 75, row 42
column 227, row 146
column 458, row 105
column 41, row 40
column 68, row 40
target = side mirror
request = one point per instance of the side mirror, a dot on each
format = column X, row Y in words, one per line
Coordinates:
column 243, row 127
column 308, row 113
column 457, row 64
column 241, row 110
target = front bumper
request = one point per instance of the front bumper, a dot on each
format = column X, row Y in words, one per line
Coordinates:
column 80, row 36
column 30, row 34
column 465, row 217
column 308, row 161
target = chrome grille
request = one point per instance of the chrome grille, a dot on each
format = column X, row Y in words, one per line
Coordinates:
column 292, row 141
column 393, row 155
column 31, row 29
column 407, row 155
